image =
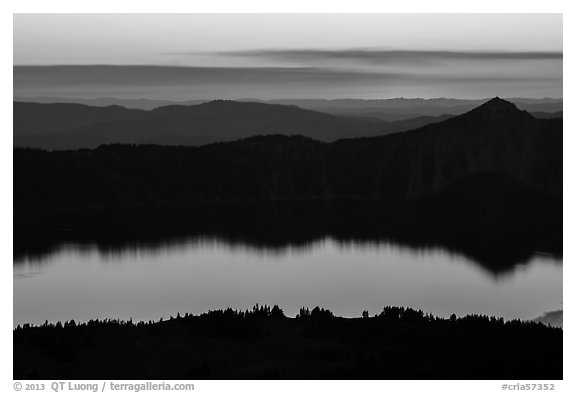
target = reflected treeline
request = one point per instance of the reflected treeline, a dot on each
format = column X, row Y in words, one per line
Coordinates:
column 284, row 226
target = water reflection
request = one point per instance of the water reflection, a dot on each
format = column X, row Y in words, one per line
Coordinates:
column 273, row 227
column 115, row 250
column 144, row 281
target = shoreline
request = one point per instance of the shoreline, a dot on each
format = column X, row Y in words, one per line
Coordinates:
column 262, row 343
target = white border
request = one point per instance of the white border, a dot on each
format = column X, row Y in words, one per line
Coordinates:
column 259, row 6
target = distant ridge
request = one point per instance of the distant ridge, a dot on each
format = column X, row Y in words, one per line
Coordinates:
column 60, row 126
column 393, row 109
column 73, row 126
column 65, row 126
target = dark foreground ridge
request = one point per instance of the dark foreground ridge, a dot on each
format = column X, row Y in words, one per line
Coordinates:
column 398, row 343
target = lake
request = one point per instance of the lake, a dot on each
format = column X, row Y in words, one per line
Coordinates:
column 199, row 274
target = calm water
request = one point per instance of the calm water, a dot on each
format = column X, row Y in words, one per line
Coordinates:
column 143, row 284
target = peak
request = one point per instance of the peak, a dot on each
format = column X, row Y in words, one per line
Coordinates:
column 497, row 108
column 498, row 103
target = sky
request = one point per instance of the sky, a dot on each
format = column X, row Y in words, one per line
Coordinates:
column 266, row 56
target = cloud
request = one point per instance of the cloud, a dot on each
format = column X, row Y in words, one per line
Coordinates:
column 71, row 75
column 377, row 56
column 102, row 75
column 174, row 83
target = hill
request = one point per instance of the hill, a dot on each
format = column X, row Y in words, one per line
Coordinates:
column 379, row 109
column 262, row 343
column 406, row 108
column 74, row 126
column 33, row 119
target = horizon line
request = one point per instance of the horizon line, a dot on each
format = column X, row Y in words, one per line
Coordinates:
column 289, row 98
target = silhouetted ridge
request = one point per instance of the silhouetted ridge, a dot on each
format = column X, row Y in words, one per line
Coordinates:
column 397, row 343
column 229, row 107
column 73, row 126
column 390, row 110
column 497, row 108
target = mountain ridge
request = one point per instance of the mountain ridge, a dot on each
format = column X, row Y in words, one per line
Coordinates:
column 73, row 126
column 495, row 137
column 382, row 109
